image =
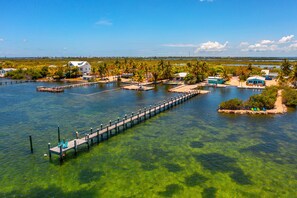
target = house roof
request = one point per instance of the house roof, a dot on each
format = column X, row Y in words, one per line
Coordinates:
column 77, row 63
column 256, row 78
column 181, row 74
column 214, row 77
column 8, row 69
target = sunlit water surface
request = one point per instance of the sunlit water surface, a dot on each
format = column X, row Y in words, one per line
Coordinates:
column 188, row 151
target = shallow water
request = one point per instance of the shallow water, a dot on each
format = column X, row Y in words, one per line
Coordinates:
column 188, row 151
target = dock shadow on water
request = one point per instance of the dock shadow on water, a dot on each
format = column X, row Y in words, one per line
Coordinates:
column 216, row 162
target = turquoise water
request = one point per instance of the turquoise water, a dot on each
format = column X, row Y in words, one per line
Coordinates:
column 188, row 151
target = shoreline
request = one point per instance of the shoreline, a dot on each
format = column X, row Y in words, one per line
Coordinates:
column 279, row 108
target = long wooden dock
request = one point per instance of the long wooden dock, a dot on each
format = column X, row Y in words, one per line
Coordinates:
column 114, row 127
column 61, row 88
column 2, row 83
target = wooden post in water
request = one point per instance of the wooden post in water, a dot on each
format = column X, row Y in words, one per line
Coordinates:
column 61, row 154
column 144, row 113
column 88, row 137
column 49, row 150
column 31, row 144
column 97, row 135
column 75, row 147
column 123, row 125
column 118, row 128
column 91, row 132
column 59, row 138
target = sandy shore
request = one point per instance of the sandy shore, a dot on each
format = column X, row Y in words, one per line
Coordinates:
column 279, row 108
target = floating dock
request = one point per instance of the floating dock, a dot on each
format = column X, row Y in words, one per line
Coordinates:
column 114, row 127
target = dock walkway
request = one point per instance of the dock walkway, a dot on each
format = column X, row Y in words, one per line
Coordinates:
column 114, row 127
column 61, row 88
column 2, row 83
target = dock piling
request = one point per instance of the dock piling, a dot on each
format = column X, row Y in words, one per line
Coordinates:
column 49, row 150
column 59, row 138
column 31, row 144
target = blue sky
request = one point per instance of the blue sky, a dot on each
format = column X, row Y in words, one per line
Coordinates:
column 148, row 28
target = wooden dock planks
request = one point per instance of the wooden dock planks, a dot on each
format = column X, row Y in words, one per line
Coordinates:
column 124, row 124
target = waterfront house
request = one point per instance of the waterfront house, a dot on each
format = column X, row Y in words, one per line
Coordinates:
column 180, row 76
column 256, row 80
column 268, row 75
column 84, row 66
column 215, row 80
column 5, row 70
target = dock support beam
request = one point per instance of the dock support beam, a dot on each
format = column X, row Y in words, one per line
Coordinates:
column 75, row 147
column 59, row 138
column 49, row 150
column 61, row 154
column 31, row 144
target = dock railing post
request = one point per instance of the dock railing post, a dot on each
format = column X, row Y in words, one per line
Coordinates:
column 144, row 113
column 31, row 144
column 91, row 131
column 76, row 134
column 61, row 153
column 132, row 121
column 150, row 110
column 49, row 150
column 140, row 115
column 88, row 137
column 123, row 124
column 97, row 135
column 75, row 147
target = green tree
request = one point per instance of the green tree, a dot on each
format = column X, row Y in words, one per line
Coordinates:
column 102, row 69
column 293, row 76
column 155, row 72
column 44, row 71
column 286, row 67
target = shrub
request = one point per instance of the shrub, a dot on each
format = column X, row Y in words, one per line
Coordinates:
column 233, row 104
column 290, row 97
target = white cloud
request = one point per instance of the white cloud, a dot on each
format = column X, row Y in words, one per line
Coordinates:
column 1, row 39
column 25, row 40
column 259, row 47
column 293, row 47
column 180, row 45
column 286, row 39
column 265, row 42
column 212, row 47
column 242, row 44
column 104, row 22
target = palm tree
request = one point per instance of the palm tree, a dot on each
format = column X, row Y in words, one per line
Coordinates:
column 286, row 67
column 293, row 76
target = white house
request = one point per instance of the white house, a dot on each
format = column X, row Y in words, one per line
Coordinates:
column 181, row 75
column 5, row 70
column 84, row 66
